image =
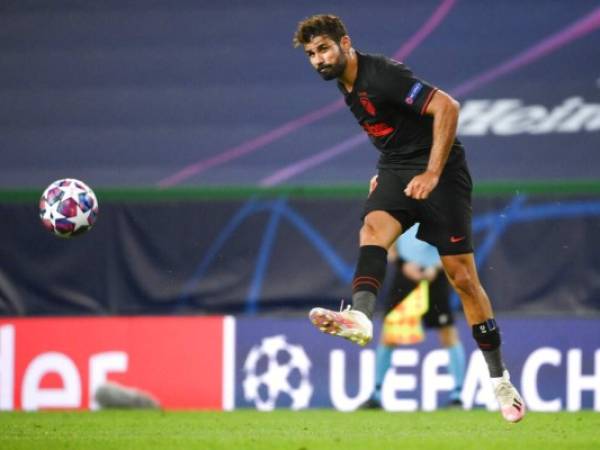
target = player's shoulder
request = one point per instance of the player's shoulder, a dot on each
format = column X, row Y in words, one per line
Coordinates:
column 381, row 70
column 381, row 62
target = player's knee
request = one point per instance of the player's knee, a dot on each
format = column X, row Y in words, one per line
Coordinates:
column 370, row 232
column 379, row 228
column 368, row 229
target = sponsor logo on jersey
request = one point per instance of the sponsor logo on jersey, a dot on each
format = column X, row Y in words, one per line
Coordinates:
column 378, row 129
column 368, row 105
column 414, row 91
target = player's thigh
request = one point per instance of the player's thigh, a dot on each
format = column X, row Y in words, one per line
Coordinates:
column 389, row 196
column 446, row 215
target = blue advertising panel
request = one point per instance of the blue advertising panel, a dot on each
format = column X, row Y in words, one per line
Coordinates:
column 287, row 363
column 535, row 255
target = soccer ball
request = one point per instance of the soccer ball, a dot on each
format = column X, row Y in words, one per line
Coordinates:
column 68, row 207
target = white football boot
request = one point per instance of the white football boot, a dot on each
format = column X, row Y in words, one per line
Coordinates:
column 349, row 324
column 511, row 403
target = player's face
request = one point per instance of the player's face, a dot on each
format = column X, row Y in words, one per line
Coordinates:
column 326, row 56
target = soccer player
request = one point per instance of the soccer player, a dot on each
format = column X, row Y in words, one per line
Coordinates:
column 419, row 297
column 422, row 177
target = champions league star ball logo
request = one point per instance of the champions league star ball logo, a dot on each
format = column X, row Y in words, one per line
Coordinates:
column 276, row 374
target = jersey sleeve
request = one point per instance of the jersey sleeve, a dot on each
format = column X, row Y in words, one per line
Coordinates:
column 401, row 87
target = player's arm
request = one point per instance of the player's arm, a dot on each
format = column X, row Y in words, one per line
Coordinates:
column 444, row 110
column 432, row 272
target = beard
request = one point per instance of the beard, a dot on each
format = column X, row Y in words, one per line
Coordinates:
column 332, row 71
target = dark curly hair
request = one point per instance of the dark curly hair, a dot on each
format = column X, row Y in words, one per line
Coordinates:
column 319, row 25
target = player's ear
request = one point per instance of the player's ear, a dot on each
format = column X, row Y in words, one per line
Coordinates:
column 346, row 43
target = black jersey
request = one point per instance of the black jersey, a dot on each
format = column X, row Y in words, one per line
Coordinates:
column 389, row 103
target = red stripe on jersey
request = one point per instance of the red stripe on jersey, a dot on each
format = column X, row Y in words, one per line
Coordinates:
column 429, row 97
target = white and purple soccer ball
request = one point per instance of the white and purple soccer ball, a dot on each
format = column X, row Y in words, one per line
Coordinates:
column 68, row 207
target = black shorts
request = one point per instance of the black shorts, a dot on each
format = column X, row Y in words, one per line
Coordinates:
column 444, row 217
column 439, row 314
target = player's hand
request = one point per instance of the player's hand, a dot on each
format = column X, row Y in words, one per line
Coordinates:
column 421, row 186
column 372, row 184
column 412, row 271
column 430, row 273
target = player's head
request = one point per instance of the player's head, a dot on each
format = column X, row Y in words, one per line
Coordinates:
column 326, row 43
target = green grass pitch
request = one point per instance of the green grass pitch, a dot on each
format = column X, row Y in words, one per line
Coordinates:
column 306, row 430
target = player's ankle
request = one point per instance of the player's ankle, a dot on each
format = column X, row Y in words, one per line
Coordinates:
column 364, row 302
